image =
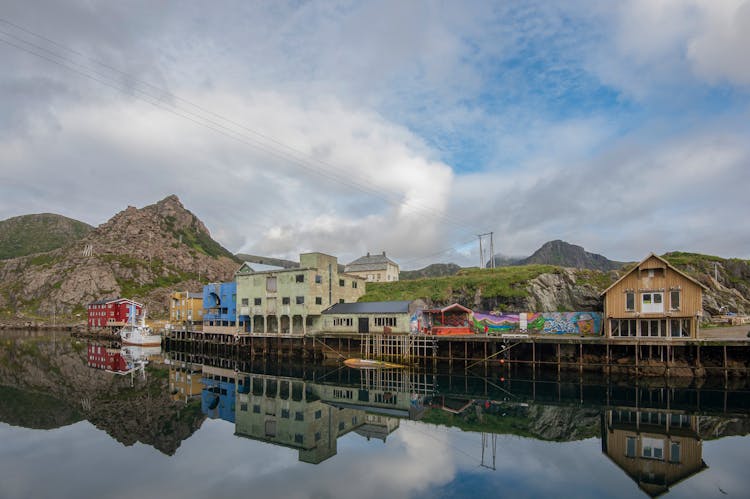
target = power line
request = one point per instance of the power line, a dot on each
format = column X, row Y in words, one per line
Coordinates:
column 276, row 148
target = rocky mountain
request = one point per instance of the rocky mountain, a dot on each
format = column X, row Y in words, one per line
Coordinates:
column 561, row 254
column 142, row 254
column 434, row 270
column 29, row 234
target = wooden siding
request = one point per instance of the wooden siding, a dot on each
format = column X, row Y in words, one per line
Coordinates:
column 638, row 467
column 664, row 280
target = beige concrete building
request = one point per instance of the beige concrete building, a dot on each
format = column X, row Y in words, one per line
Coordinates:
column 370, row 317
column 290, row 301
column 374, row 268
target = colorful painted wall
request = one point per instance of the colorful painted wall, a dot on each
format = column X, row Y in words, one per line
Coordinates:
column 578, row 323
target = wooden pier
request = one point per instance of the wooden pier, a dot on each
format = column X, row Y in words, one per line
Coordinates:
column 640, row 357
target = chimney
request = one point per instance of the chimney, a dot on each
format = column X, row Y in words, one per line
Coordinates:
column 384, row 253
column 368, row 253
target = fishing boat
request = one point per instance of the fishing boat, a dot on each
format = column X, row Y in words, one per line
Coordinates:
column 139, row 334
column 371, row 364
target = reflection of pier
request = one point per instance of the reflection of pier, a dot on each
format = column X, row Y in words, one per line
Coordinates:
column 657, row 449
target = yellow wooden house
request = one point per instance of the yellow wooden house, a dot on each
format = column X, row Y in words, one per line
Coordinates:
column 653, row 300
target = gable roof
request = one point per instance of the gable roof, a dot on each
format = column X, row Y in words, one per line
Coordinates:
column 371, row 307
column 370, row 262
column 653, row 255
column 456, row 306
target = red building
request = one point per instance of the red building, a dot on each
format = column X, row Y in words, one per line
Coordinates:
column 112, row 313
column 108, row 359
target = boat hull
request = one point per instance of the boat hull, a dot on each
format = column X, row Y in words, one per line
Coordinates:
column 145, row 343
column 371, row 364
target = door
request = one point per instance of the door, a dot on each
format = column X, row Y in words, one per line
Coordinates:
column 364, row 325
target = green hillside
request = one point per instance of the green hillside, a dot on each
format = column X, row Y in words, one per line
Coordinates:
column 508, row 283
column 29, row 234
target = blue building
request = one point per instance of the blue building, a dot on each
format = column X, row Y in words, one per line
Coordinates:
column 220, row 306
column 218, row 396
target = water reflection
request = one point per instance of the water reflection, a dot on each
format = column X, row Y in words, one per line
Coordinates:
column 398, row 432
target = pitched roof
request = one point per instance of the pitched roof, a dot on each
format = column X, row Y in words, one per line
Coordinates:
column 372, row 307
column 669, row 265
column 370, row 262
column 456, row 306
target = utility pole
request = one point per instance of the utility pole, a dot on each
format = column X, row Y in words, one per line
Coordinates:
column 481, row 253
column 492, row 250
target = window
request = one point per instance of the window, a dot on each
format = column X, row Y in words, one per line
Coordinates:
column 299, row 278
column 630, row 301
column 341, row 426
column 271, row 284
column 653, row 448
column 317, row 436
column 234, row 298
column 341, row 283
column 385, row 321
column 318, row 414
column 318, row 279
column 341, row 300
column 652, row 303
column 243, row 407
column 257, row 301
column 256, row 409
column 318, row 300
column 298, row 416
column 298, row 438
column 299, row 300
column 354, row 284
column 285, row 413
column 285, row 300
column 343, row 321
column 674, row 300
column 674, row 452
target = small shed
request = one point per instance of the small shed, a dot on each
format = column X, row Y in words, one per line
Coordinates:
column 452, row 320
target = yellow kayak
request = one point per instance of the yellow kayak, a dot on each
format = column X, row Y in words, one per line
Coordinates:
column 371, row 364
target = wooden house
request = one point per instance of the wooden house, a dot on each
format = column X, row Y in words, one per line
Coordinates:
column 452, row 320
column 653, row 299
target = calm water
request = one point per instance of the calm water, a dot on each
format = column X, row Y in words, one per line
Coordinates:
column 220, row 428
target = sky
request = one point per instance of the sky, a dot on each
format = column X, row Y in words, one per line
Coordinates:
column 405, row 127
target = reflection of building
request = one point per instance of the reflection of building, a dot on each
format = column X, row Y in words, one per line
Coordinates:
column 219, row 393
column 108, row 359
column 185, row 380
column 286, row 412
column 290, row 301
column 185, row 309
column 656, row 449
column 653, row 299
column 374, row 268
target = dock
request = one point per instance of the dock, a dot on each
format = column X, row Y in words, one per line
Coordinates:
column 679, row 357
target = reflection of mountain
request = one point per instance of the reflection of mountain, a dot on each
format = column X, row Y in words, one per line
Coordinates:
column 55, row 369
column 657, row 449
column 35, row 410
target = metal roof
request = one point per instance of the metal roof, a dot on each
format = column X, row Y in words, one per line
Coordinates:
column 371, row 307
column 370, row 262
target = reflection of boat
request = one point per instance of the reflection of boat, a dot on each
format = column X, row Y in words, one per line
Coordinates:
column 139, row 334
column 371, row 364
column 139, row 352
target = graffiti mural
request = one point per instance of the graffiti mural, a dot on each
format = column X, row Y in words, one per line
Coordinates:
column 579, row 323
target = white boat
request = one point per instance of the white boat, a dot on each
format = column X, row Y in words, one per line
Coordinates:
column 139, row 334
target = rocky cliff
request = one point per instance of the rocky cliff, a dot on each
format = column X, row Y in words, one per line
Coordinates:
column 139, row 253
column 562, row 254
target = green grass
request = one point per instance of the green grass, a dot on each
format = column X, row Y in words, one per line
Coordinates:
column 506, row 282
column 594, row 278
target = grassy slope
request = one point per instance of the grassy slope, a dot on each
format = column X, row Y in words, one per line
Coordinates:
column 508, row 282
column 29, row 234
